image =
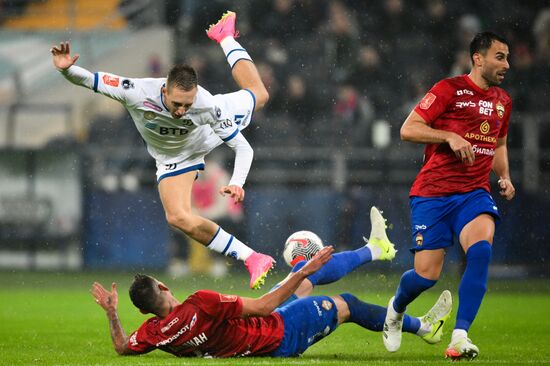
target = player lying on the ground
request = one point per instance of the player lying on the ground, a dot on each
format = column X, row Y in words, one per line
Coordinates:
column 181, row 122
column 211, row 324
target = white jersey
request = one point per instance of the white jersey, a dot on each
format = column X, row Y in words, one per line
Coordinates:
column 211, row 119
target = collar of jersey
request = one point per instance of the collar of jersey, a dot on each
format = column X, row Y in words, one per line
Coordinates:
column 162, row 99
column 473, row 85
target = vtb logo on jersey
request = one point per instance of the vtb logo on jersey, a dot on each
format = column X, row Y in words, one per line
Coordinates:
column 500, row 109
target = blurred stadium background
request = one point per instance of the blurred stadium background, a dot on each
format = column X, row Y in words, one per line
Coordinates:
column 77, row 188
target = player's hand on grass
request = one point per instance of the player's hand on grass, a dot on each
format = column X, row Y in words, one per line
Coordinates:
column 317, row 261
column 107, row 300
column 62, row 58
column 507, row 189
column 462, row 149
column 236, row 192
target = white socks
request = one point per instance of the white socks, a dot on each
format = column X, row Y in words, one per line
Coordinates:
column 424, row 329
column 375, row 251
column 228, row 245
column 458, row 334
column 233, row 51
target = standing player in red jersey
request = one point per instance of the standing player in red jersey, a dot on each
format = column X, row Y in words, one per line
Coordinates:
column 210, row 324
column 464, row 123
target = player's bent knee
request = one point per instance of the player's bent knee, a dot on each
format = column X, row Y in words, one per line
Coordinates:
column 481, row 251
column 431, row 274
column 180, row 221
column 341, row 302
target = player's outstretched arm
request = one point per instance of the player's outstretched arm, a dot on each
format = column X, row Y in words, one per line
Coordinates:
column 264, row 305
column 109, row 302
column 243, row 69
column 100, row 82
column 61, row 56
column 64, row 62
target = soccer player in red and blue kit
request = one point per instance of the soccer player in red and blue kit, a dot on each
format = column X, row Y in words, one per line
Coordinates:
column 210, row 324
column 464, row 123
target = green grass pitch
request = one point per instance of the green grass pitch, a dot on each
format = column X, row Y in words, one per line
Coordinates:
column 51, row 319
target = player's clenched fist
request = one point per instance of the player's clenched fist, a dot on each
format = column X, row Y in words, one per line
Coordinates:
column 462, row 149
column 507, row 189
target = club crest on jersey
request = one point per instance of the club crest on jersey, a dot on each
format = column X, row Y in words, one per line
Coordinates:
column 427, row 101
column 485, row 127
column 186, row 122
column 500, row 109
column 419, row 239
column 148, row 115
column 327, row 305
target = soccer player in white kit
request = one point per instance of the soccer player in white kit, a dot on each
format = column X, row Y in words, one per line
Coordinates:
column 181, row 122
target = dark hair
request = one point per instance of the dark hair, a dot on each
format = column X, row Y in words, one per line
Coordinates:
column 183, row 77
column 144, row 293
column 483, row 41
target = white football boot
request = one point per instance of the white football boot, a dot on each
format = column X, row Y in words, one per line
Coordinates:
column 378, row 242
column 393, row 326
column 461, row 348
column 437, row 316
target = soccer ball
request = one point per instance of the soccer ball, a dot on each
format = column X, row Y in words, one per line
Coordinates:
column 302, row 245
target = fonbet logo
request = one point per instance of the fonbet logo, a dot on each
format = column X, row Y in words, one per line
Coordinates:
column 485, row 107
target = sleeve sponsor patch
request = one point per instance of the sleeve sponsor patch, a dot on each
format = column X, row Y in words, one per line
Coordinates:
column 427, row 101
column 228, row 298
column 111, row 80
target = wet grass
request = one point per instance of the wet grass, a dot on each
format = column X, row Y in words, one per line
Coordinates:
column 49, row 318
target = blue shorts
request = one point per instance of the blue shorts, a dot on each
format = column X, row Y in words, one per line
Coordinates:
column 435, row 220
column 307, row 321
